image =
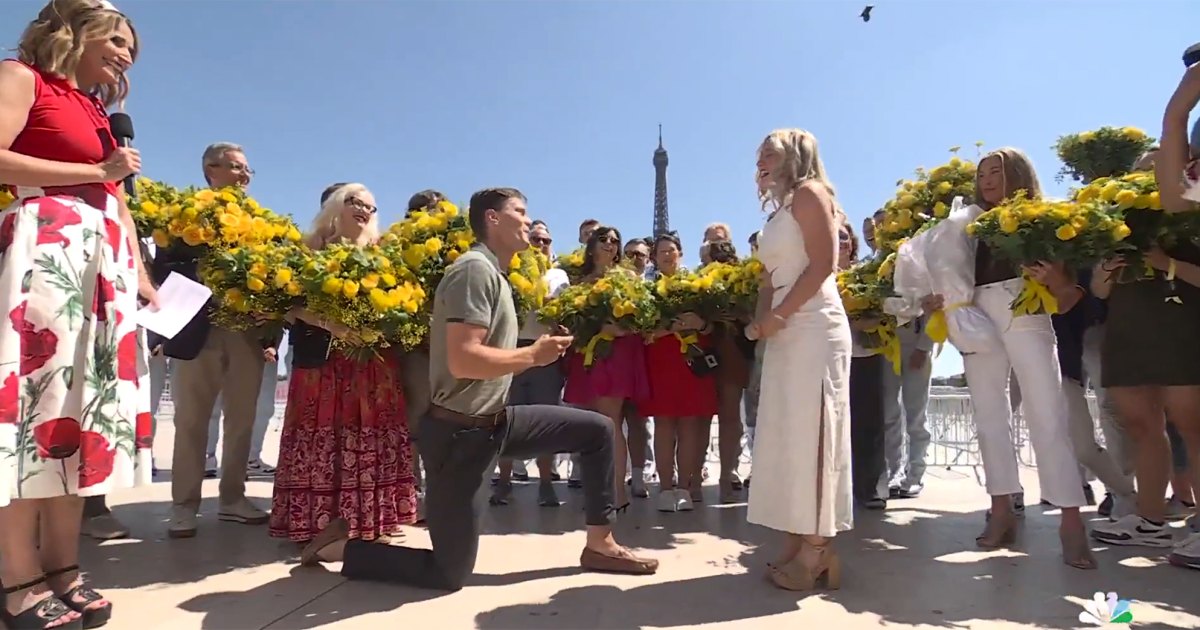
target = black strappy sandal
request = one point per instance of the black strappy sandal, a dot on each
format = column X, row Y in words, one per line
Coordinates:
column 42, row 615
column 92, row 617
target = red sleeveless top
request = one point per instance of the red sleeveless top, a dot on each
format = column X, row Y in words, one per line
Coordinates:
column 66, row 125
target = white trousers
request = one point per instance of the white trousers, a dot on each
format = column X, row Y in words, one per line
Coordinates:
column 1030, row 352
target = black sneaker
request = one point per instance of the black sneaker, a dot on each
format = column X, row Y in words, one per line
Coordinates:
column 1106, row 506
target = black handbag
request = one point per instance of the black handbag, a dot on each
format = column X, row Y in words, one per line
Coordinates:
column 701, row 362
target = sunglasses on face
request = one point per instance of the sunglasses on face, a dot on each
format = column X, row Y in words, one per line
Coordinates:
column 843, row 237
column 541, row 240
column 359, row 204
column 608, row 240
column 637, row 254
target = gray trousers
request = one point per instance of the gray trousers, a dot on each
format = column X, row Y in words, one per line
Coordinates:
column 1116, row 441
column 905, row 401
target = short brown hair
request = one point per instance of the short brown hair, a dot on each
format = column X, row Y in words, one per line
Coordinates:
column 587, row 222
column 425, row 199
column 488, row 199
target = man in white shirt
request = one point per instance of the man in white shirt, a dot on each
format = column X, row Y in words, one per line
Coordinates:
column 536, row 386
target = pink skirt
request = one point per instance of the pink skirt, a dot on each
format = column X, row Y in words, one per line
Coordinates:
column 622, row 374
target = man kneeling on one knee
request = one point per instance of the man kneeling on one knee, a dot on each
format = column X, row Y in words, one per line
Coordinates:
column 473, row 356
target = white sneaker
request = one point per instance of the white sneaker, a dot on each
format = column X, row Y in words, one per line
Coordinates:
column 242, row 511
column 1187, row 553
column 1122, row 507
column 183, row 522
column 1133, row 530
column 683, row 500
column 667, row 501
column 1177, row 510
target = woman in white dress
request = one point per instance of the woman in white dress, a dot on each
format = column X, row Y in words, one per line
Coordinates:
column 803, row 430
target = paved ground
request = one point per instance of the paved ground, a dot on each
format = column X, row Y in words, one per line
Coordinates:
column 912, row 566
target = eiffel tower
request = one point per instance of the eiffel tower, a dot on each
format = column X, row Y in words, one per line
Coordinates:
column 662, row 222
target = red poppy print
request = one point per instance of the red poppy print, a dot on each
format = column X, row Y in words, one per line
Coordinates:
column 105, row 294
column 96, row 459
column 53, row 216
column 37, row 346
column 127, row 350
column 10, row 399
column 144, row 429
column 116, row 237
column 57, row 438
column 6, row 231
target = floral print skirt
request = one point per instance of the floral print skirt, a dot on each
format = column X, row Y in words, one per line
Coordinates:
column 73, row 419
column 344, row 451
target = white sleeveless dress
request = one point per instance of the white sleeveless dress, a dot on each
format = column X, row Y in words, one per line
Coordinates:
column 802, row 441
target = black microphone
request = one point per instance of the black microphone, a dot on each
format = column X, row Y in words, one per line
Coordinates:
column 122, row 129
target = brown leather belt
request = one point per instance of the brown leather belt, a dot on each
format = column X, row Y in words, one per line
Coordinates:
column 490, row 420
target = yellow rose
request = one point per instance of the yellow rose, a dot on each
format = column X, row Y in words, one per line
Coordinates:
column 350, row 289
column 254, row 284
column 1065, row 232
column 1120, row 232
column 1125, row 199
column 331, row 286
column 282, row 277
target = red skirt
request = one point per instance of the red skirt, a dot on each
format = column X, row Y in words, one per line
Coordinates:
column 675, row 391
column 344, row 452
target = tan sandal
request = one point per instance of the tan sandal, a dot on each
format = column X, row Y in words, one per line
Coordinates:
column 338, row 529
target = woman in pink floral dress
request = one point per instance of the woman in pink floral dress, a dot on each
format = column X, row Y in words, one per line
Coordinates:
column 69, row 424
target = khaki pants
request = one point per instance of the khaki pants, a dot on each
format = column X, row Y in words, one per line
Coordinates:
column 414, row 377
column 231, row 365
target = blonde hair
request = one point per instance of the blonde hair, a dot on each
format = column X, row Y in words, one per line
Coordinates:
column 54, row 41
column 800, row 161
column 1018, row 171
column 325, row 226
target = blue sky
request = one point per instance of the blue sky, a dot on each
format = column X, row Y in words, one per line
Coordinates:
column 562, row 99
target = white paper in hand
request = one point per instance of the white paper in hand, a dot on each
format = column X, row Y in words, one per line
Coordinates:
column 179, row 299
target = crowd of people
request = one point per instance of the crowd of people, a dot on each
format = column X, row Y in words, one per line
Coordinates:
column 369, row 446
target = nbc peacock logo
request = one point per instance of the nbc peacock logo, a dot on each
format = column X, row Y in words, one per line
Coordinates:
column 1106, row 609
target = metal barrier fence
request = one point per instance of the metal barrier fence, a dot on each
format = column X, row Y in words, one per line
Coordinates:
column 952, row 432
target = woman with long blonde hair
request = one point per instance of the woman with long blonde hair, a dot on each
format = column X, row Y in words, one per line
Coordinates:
column 1030, row 352
column 802, row 437
column 344, row 452
column 69, row 278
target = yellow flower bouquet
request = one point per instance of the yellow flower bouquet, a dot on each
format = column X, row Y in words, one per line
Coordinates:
column 1104, row 152
column 717, row 291
column 740, row 281
column 527, row 276
column 1027, row 231
column 618, row 298
column 572, row 264
column 863, row 287
column 211, row 219
column 362, row 289
column 156, row 203
column 430, row 239
column 254, row 285
column 923, row 201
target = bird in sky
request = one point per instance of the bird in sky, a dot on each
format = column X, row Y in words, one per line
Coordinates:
column 866, row 14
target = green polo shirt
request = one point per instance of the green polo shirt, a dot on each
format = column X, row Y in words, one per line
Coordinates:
column 474, row 291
